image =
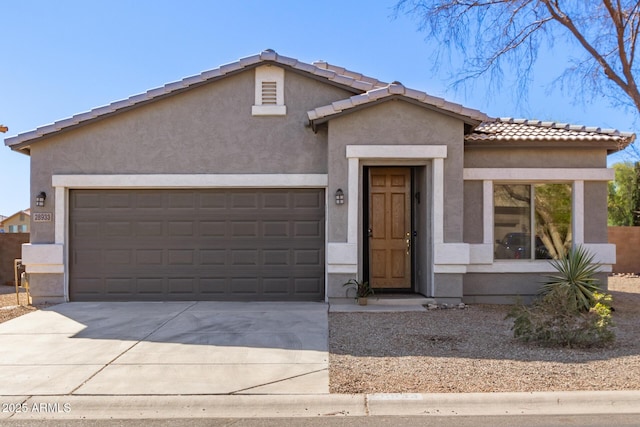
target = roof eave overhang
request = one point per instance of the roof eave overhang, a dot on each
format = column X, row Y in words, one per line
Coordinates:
column 470, row 123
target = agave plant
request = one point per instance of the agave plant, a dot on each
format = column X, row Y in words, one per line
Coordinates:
column 575, row 279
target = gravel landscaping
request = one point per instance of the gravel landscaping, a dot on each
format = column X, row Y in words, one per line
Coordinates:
column 8, row 303
column 473, row 350
column 456, row 351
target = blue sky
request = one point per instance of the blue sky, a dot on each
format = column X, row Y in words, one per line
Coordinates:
column 65, row 57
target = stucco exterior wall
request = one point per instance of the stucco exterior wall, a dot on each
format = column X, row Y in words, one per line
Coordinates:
column 507, row 288
column 473, row 212
column 595, row 212
column 397, row 123
column 208, row 129
column 548, row 157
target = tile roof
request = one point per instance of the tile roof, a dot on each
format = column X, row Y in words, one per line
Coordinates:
column 509, row 129
column 352, row 74
column 356, row 82
column 395, row 89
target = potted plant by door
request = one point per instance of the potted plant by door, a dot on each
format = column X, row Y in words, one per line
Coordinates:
column 362, row 288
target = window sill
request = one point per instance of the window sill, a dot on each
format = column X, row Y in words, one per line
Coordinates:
column 269, row 110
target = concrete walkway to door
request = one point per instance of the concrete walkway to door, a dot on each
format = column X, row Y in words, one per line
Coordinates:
column 166, row 348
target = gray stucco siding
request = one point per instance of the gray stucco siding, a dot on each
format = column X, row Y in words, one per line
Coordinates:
column 501, row 288
column 595, row 212
column 473, row 212
column 507, row 288
column 547, row 157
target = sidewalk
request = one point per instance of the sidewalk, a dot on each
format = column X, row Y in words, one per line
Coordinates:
column 322, row 405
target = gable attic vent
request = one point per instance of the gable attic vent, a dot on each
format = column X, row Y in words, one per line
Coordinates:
column 269, row 91
column 269, row 96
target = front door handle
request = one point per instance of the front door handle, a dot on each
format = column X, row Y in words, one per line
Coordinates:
column 408, row 241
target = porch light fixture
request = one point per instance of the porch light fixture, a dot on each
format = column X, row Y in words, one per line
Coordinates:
column 339, row 197
column 40, row 198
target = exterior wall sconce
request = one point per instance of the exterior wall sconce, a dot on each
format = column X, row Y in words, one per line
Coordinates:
column 339, row 197
column 40, row 198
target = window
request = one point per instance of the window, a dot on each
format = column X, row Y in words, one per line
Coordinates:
column 521, row 208
column 13, row 229
column 269, row 92
column 23, row 228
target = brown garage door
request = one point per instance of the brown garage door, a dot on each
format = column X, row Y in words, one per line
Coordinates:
column 167, row 245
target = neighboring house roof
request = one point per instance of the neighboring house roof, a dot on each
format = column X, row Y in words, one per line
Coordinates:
column 390, row 91
column 509, row 130
column 6, row 219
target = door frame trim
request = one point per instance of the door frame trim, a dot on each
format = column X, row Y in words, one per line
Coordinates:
column 413, row 155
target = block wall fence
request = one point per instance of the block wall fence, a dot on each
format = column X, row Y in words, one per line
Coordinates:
column 627, row 241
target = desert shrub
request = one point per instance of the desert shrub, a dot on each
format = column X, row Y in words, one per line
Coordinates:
column 554, row 320
column 570, row 311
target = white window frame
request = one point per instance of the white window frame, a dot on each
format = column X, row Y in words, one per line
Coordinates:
column 482, row 254
column 532, row 215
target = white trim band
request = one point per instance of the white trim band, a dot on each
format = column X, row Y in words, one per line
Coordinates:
column 539, row 174
column 390, row 152
column 192, row 181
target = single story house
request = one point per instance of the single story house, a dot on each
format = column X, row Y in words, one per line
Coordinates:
column 271, row 179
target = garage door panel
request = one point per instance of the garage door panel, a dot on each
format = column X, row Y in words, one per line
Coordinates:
column 308, row 200
column 118, row 201
column 213, row 228
column 276, row 285
column 150, row 257
column 182, row 285
column 214, row 285
column 148, row 201
column 183, row 200
column 308, row 285
column 276, row 201
column 149, row 228
column 86, row 229
column 307, row 229
column 244, row 285
column 244, row 201
column 244, row 229
column 86, row 201
column 150, row 285
column 214, row 201
column 181, row 228
column 119, row 285
column 197, row 245
column 213, row 257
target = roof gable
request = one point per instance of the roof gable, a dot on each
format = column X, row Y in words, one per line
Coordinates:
column 394, row 90
column 352, row 81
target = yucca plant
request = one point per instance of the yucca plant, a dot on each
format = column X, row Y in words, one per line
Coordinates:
column 575, row 279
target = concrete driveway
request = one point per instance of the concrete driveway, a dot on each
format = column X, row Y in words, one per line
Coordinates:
column 166, row 348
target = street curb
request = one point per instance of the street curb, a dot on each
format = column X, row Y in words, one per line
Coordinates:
column 321, row 405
